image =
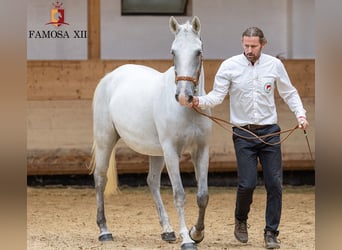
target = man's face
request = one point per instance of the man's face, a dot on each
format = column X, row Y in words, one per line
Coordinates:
column 252, row 47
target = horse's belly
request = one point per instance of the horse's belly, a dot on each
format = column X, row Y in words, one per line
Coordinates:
column 144, row 147
column 140, row 138
column 137, row 129
column 131, row 108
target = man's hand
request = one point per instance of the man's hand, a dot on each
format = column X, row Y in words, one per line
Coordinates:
column 194, row 102
column 302, row 122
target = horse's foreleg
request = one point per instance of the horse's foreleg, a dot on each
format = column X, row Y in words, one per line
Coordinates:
column 153, row 181
column 197, row 231
column 201, row 163
column 172, row 163
column 100, row 179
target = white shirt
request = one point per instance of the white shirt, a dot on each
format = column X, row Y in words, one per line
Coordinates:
column 251, row 90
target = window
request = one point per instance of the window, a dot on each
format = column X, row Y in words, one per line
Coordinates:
column 154, row 7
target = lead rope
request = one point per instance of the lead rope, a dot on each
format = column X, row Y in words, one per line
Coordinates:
column 219, row 122
column 307, row 142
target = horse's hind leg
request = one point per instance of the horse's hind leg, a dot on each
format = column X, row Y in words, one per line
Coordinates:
column 102, row 157
column 153, row 180
column 105, row 138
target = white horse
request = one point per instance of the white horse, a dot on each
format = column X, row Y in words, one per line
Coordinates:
column 139, row 105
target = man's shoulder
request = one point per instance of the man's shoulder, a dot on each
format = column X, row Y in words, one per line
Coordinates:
column 238, row 57
column 270, row 57
column 235, row 59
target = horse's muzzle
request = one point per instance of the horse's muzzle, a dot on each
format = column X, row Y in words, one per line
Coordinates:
column 184, row 100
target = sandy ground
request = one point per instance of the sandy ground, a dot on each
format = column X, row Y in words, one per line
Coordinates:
column 64, row 218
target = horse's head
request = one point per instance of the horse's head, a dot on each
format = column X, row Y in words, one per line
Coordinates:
column 187, row 58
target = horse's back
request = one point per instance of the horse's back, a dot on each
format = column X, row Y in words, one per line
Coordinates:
column 132, row 77
column 131, row 93
column 139, row 70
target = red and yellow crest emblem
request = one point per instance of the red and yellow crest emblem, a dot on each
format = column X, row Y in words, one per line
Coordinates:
column 57, row 15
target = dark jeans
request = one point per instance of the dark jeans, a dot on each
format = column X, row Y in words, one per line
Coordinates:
column 247, row 154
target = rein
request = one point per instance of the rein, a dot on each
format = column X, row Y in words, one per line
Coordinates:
column 253, row 136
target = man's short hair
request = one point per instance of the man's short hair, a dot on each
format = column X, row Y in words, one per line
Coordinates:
column 255, row 31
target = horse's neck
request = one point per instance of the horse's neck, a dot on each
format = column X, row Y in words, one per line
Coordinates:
column 168, row 79
column 201, row 81
column 169, row 76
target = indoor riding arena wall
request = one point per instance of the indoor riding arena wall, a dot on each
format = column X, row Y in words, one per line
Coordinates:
column 59, row 114
column 59, row 118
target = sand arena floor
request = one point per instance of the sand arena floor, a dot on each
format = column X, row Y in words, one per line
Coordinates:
column 64, row 218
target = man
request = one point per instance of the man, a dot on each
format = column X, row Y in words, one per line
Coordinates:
column 250, row 79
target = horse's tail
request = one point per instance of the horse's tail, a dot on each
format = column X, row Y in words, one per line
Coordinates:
column 112, row 178
column 91, row 166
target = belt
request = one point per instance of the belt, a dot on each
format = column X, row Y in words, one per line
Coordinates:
column 254, row 126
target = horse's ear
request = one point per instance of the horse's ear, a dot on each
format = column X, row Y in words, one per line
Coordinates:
column 196, row 25
column 174, row 26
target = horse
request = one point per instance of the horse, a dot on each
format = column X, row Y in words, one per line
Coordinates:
column 148, row 110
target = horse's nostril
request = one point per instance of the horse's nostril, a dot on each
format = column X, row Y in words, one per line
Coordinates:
column 190, row 99
column 176, row 96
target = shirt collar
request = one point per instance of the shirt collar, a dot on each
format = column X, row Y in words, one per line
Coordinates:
column 248, row 62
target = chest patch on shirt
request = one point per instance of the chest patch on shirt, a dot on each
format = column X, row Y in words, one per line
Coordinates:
column 267, row 87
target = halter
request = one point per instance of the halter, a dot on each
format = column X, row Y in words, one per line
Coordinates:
column 187, row 78
column 190, row 78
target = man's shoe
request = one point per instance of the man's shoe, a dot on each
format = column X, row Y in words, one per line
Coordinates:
column 240, row 231
column 271, row 241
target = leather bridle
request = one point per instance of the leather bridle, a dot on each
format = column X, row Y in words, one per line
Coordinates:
column 187, row 78
column 194, row 80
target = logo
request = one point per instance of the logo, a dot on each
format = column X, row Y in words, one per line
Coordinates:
column 57, row 19
column 268, row 87
column 57, row 15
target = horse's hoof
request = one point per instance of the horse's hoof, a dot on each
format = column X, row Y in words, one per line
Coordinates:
column 195, row 235
column 106, row 237
column 168, row 236
column 189, row 246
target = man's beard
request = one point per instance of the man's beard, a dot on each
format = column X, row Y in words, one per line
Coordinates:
column 251, row 57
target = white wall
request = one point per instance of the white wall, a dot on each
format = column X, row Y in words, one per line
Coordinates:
column 73, row 42
column 288, row 26
column 301, row 27
column 133, row 37
column 224, row 21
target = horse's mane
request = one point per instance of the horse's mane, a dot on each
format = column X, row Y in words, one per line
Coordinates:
column 185, row 27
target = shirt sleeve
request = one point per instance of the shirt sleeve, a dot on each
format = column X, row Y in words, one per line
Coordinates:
column 288, row 92
column 219, row 91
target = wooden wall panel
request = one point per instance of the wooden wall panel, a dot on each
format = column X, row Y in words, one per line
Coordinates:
column 302, row 75
column 59, row 140
column 94, row 28
column 74, row 80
